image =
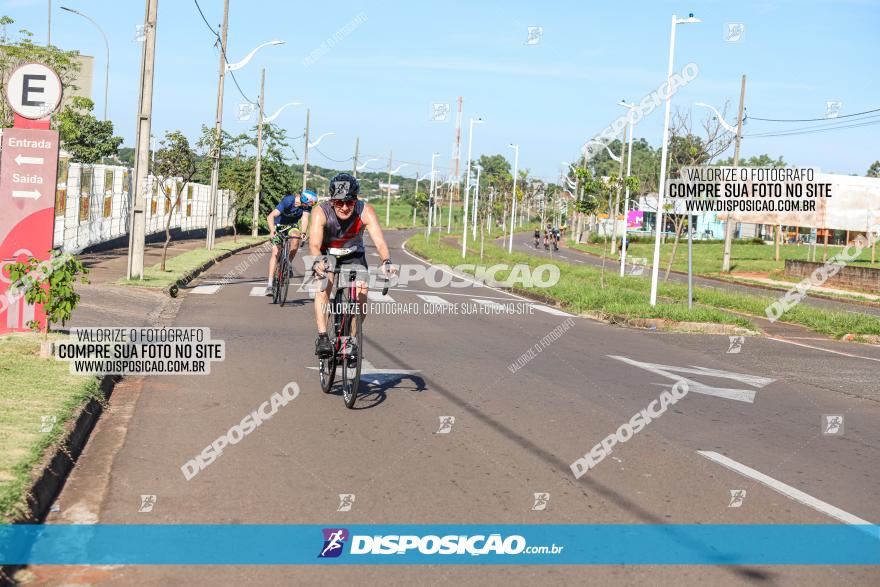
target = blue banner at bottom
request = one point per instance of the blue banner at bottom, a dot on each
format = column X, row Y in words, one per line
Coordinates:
column 598, row 544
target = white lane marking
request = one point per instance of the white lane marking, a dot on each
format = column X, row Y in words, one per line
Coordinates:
column 374, row 254
column 550, row 310
column 578, row 261
column 563, row 257
column 206, row 289
column 786, row 490
column 257, row 291
column 818, row 348
column 489, row 303
column 668, row 371
column 449, row 293
column 435, row 300
column 376, row 296
column 464, row 277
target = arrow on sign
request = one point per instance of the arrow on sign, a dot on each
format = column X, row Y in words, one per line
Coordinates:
column 21, row 159
column 33, row 194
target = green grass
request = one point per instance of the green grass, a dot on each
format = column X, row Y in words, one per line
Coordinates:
column 744, row 257
column 179, row 265
column 32, row 387
column 579, row 289
column 401, row 214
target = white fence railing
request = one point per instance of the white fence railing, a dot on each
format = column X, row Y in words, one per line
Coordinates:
column 93, row 203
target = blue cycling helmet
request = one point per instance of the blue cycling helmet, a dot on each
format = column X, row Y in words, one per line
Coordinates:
column 308, row 198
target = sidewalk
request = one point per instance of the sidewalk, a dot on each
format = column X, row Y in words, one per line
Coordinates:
column 759, row 278
column 105, row 303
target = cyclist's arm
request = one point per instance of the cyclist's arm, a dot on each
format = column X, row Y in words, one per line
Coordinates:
column 270, row 220
column 316, row 231
column 372, row 223
column 305, row 223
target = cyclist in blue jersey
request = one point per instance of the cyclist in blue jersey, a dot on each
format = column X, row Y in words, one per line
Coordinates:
column 284, row 219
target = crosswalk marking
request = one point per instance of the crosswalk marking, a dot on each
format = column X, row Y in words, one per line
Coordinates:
column 550, row 310
column 490, row 303
column 437, row 300
column 376, row 296
column 257, row 291
column 206, row 289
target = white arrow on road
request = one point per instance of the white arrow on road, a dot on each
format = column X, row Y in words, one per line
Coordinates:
column 33, row 194
column 21, row 159
column 668, row 371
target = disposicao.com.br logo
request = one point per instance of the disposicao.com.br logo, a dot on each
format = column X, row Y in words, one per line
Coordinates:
column 412, row 544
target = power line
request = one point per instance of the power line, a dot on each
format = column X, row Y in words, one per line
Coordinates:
column 749, row 117
column 806, row 132
column 830, row 125
column 207, row 24
column 218, row 42
column 331, row 158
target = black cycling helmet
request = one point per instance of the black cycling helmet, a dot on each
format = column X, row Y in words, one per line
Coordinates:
column 344, row 186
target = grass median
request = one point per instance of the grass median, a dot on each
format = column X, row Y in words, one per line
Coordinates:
column 180, row 265
column 38, row 396
column 579, row 290
column 745, row 257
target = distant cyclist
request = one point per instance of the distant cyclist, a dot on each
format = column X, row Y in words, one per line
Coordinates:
column 340, row 223
column 284, row 218
column 537, row 236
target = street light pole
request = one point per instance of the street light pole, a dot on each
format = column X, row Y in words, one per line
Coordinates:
column 260, row 102
column 476, row 200
column 106, row 50
column 662, row 183
column 728, row 226
column 357, row 145
column 629, row 156
column 431, row 193
column 513, row 206
column 467, row 186
column 388, row 198
column 218, row 129
column 137, row 229
column 306, row 151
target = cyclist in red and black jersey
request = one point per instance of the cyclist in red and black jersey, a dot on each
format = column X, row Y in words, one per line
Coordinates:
column 340, row 223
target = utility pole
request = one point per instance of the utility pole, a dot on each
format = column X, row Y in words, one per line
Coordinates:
column 456, row 155
column 357, row 146
column 137, row 228
column 388, row 202
column 728, row 226
column 617, row 199
column 306, row 154
column 256, row 222
column 49, row 31
column 218, row 130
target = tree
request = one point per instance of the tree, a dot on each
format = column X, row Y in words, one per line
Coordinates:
column 175, row 162
column 764, row 160
column 15, row 51
column 687, row 149
column 874, row 169
column 85, row 137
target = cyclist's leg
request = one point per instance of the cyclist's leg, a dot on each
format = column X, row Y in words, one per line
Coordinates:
column 273, row 262
column 295, row 240
column 322, row 298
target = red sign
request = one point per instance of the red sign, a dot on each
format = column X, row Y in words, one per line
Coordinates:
column 28, row 175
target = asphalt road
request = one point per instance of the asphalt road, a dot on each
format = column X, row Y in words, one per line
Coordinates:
column 514, row 435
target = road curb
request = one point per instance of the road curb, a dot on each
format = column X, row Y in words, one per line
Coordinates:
column 175, row 288
column 43, row 492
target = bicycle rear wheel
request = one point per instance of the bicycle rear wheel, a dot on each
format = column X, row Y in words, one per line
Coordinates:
column 353, row 323
column 327, row 367
column 285, row 271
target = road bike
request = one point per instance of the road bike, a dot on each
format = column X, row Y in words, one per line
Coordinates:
column 283, row 265
column 345, row 327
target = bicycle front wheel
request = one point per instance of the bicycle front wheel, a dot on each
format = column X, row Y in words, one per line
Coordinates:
column 327, row 367
column 353, row 325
